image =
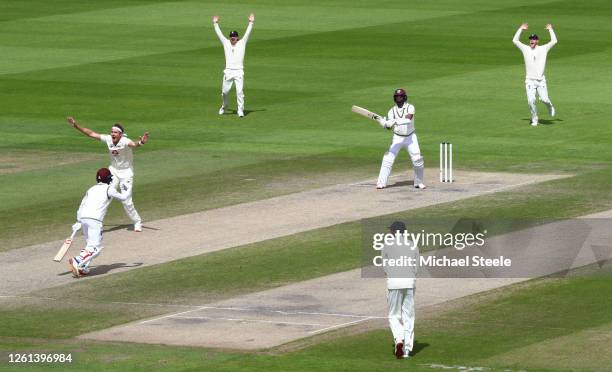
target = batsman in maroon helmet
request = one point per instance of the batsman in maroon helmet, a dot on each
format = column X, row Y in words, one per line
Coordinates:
column 91, row 215
column 400, row 119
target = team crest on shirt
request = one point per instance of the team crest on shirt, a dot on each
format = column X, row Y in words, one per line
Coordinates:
column 115, row 152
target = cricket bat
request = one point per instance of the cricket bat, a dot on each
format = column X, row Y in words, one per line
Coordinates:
column 364, row 112
column 67, row 243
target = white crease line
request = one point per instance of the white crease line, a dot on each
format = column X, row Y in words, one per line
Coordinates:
column 291, row 312
column 168, row 316
column 34, row 297
column 249, row 320
column 338, row 326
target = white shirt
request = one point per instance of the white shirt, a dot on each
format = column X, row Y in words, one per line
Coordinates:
column 404, row 276
column 398, row 116
column 234, row 54
column 535, row 58
column 96, row 201
column 120, row 155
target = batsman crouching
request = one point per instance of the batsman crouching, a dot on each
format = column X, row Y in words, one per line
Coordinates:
column 91, row 215
column 400, row 118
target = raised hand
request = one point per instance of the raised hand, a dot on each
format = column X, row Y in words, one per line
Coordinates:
column 524, row 26
column 251, row 17
column 71, row 121
column 144, row 138
column 548, row 27
column 215, row 19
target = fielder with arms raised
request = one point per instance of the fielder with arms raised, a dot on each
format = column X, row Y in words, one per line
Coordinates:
column 120, row 151
column 234, row 49
column 400, row 118
column 535, row 64
column 91, row 215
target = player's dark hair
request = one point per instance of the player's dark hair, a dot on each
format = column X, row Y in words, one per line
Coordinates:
column 118, row 125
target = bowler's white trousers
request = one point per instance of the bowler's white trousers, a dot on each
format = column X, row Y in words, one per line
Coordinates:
column 124, row 184
column 401, row 315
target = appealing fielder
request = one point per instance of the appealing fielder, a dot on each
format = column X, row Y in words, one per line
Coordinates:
column 234, row 49
column 91, row 216
column 535, row 64
column 120, row 150
column 401, row 285
column 400, row 118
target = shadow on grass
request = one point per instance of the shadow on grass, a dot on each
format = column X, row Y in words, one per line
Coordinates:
column 545, row 121
column 417, row 347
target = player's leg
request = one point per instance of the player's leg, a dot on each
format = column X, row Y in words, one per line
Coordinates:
column 92, row 231
column 408, row 316
column 126, row 184
column 240, row 93
column 542, row 90
column 417, row 161
column 225, row 88
column 395, row 299
column 387, row 163
column 530, row 87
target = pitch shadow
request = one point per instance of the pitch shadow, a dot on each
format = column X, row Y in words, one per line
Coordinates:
column 401, row 183
column 103, row 269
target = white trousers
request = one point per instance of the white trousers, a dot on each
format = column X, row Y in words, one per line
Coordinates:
column 402, row 315
column 92, row 231
column 230, row 77
column 533, row 87
column 124, row 184
column 411, row 144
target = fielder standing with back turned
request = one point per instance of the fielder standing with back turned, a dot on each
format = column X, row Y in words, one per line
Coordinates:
column 234, row 49
column 535, row 64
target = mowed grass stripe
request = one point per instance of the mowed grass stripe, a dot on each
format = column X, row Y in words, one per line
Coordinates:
column 539, row 315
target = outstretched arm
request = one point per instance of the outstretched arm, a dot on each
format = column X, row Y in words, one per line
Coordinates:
column 86, row 131
column 515, row 39
column 121, row 196
column 215, row 20
column 247, row 33
column 553, row 37
column 141, row 140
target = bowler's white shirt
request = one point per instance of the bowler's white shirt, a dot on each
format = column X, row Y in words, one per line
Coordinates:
column 96, row 201
column 535, row 58
column 234, row 54
column 120, row 155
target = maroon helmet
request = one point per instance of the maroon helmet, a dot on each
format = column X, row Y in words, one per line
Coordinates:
column 402, row 94
column 104, row 176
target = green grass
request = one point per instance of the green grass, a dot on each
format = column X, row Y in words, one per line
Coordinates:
column 564, row 320
column 156, row 66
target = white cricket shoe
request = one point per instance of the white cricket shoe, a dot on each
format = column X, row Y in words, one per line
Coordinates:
column 138, row 227
column 221, row 110
column 551, row 110
column 406, row 354
column 240, row 114
column 380, row 187
column 534, row 121
column 420, row 186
